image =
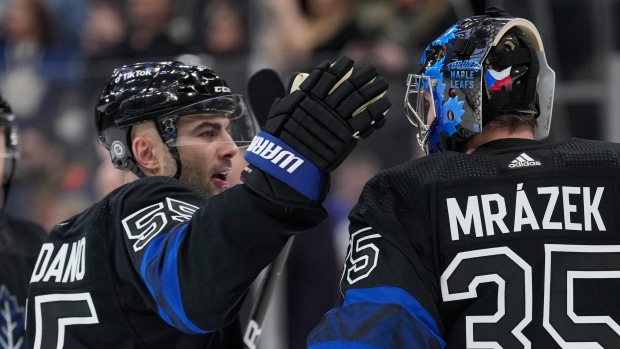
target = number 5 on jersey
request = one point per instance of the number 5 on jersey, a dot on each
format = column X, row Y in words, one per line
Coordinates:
column 362, row 256
column 515, row 300
column 57, row 311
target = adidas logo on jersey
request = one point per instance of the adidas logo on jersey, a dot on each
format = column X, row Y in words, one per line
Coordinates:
column 523, row 160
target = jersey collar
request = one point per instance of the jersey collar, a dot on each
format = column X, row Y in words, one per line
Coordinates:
column 506, row 144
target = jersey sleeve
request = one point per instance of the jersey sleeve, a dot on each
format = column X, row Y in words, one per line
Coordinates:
column 197, row 257
column 389, row 288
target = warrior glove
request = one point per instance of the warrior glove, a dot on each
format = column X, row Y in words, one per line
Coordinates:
column 311, row 131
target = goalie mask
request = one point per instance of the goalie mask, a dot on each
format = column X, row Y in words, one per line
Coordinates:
column 163, row 93
column 482, row 67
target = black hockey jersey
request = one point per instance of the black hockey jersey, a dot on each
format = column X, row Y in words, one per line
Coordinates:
column 20, row 242
column 156, row 265
column 514, row 246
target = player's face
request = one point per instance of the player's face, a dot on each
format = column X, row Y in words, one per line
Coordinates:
column 206, row 150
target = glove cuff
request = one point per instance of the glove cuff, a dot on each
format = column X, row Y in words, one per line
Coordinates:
column 278, row 159
column 276, row 191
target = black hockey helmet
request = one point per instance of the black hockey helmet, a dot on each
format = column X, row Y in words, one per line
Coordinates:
column 10, row 138
column 482, row 67
column 161, row 92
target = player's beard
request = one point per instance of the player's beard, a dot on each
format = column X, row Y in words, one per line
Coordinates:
column 196, row 172
column 198, row 175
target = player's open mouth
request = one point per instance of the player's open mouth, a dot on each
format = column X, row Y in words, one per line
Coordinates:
column 221, row 177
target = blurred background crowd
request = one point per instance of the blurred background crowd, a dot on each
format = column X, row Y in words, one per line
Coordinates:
column 55, row 56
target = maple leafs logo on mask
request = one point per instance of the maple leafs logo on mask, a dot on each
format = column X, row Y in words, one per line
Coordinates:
column 11, row 321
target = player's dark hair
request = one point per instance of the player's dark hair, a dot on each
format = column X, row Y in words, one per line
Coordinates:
column 513, row 122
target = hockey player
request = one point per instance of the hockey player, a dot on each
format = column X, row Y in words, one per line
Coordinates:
column 163, row 262
column 20, row 242
column 494, row 240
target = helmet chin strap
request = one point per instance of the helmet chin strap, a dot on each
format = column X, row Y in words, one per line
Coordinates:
column 175, row 155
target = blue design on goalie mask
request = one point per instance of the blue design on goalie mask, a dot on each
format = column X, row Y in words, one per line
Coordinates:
column 447, row 36
column 451, row 113
column 448, row 118
column 443, row 39
column 468, row 49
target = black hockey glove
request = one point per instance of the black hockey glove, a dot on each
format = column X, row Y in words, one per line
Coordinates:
column 311, row 131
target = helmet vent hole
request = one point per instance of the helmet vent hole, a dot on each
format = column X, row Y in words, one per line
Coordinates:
column 450, row 115
column 452, row 92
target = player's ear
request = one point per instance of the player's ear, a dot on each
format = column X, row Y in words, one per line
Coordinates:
column 147, row 152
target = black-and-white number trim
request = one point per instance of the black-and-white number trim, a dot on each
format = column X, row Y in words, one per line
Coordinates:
column 54, row 312
column 145, row 224
column 183, row 210
column 148, row 222
column 564, row 264
column 470, row 269
column 362, row 256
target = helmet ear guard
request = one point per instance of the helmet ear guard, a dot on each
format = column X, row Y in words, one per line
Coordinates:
column 545, row 81
column 513, row 52
column 120, row 153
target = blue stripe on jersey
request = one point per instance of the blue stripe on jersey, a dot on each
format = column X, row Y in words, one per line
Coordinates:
column 159, row 272
column 378, row 317
column 391, row 295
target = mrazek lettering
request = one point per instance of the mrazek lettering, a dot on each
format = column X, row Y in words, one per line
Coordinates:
column 576, row 202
